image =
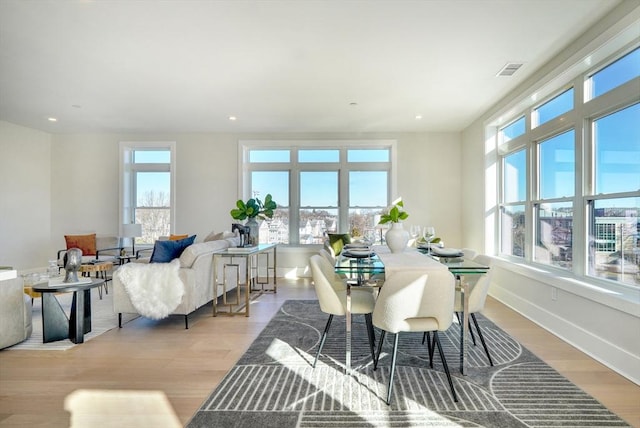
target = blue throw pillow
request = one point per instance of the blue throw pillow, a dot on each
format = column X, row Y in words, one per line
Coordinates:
column 165, row 251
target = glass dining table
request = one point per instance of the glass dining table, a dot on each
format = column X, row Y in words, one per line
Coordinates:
column 370, row 272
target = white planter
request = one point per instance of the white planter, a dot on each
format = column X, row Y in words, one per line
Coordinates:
column 397, row 238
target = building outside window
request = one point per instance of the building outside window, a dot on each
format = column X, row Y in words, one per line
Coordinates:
column 570, row 177
column 320, row 188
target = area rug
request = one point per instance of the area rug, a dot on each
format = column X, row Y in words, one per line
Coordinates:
column 274, row 385
column 103, row 319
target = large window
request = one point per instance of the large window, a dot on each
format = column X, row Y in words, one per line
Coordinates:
column 320, row 188
column 614, row 212
column 570, row 189
column 554, row 204
column 514, row 180
column 147, row 188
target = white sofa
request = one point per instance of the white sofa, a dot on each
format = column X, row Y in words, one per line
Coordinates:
column 196, row 272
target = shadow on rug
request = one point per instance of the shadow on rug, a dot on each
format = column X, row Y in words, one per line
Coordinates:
column 274, row 385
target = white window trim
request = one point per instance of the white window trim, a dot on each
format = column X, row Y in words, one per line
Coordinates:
column 574, row 70
column 126, row 201
column 244, row 147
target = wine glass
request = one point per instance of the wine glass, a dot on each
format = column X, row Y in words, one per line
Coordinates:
column 429, row 233
column 414, row 232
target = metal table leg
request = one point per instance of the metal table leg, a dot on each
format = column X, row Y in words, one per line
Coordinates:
column 464, row 328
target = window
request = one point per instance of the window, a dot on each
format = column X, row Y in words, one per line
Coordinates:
column 513, row 130
column 615, row 238
column 557, row 166
column 554, row 234
column 616, row 142
column 514, row 179
column 512, row 222
column 514, row 176
column 147, row 188
column 613, row 75
column 318, row 189
column 553, row 108
column 613, row 210
column 570, row 190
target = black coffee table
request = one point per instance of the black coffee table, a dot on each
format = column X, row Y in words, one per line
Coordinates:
column 55, row 323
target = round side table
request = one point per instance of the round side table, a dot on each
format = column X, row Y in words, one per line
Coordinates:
column 101, row 269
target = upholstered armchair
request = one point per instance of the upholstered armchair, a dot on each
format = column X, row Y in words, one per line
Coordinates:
column 103, row 248
column 15, row 310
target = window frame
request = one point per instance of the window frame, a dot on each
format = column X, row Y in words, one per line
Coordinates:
column 128, row 170
column 581, row 119
column 294, row 167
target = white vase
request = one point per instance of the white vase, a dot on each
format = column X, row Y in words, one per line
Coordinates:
column 397, row 238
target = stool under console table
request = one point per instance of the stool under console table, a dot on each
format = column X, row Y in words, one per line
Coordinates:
column 253, row 257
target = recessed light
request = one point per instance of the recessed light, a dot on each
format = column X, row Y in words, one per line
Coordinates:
column 418, row 116
column 52, row 119
column 232, row 118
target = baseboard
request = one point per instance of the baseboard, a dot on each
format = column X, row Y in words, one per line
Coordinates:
column 619, row 360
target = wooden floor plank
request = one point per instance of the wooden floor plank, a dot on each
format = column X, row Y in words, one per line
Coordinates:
column 186, row 365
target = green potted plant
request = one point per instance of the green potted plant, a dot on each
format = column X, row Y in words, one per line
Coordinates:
column 395, row 213
column 251, row 209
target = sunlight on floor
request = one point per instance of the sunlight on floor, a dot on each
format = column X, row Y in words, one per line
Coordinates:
column 119, row 408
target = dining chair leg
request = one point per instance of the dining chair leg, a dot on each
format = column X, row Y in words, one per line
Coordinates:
column 372, row 335
column 426, row 336
column 484, row 345
column 377, row 357
column 393, row 367
column 444, row 363
column 432, row 349
column 324, row 336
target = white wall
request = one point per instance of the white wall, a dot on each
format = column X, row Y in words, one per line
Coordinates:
column 602, row 323
column 25, row 196
column 82, row 184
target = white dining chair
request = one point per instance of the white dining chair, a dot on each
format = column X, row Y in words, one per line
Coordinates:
column 477, row 298
column 332, row 296
column 325, row 253
column 410, row 302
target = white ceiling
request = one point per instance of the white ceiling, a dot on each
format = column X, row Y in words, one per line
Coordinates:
column 279, row 66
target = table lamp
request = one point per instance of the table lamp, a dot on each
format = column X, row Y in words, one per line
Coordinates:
column 132, row 231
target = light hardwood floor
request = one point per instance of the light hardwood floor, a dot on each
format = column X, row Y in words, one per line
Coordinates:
column 187, row 364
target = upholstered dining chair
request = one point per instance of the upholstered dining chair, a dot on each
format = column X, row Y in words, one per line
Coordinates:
column 332, row 296
column 325, row 253
column 410, row 302
column 477, row 298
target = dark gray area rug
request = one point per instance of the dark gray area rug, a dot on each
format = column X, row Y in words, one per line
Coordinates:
column 274, row 385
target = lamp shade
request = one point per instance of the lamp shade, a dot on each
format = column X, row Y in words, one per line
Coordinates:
column 132, row 230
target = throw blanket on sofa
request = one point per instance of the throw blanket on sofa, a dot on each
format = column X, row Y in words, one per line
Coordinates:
column 155, row 289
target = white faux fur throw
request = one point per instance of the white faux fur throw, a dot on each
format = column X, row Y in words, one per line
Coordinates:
column 155, row 289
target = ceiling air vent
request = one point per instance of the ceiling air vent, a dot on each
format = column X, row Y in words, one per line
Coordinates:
column 509, row 69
